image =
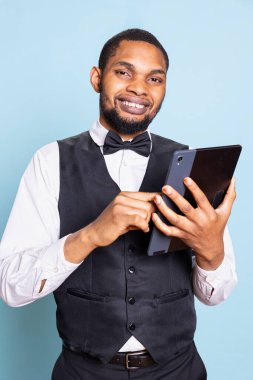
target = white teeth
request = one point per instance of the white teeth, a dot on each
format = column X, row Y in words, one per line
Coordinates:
column 133, row 104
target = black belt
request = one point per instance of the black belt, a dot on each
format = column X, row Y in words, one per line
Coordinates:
column 131, row 360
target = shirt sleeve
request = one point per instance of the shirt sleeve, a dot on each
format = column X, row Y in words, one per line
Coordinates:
column 213, row 287
column 30, row 249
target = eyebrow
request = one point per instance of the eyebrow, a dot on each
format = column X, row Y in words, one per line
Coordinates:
column 131, row 67
column 158, row 71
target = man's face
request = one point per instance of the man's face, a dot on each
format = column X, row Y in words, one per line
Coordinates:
column 132, row 87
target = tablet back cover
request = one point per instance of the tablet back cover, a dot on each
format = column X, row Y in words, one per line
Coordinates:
column 212, row 169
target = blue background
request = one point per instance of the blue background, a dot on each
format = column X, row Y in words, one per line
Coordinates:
column 46, row 51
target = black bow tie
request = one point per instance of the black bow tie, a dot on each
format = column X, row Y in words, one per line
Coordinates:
column 140, row 144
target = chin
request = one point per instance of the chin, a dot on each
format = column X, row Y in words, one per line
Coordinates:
column 133, row 119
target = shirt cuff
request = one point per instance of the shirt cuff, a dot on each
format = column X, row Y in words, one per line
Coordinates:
column 53, row 260
column 213, row 276
column 54, row 268
column 214, row 286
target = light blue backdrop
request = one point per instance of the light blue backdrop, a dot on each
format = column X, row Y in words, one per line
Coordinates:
column 46, row 51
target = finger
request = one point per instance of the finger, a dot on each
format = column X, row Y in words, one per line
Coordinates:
column 229, row 197
column 167, row 230
column 135, row 203
column 184, row 206
column 139, row 195
column 177, row 220
column 139, row 212
column 198, row 194
column 137, row 222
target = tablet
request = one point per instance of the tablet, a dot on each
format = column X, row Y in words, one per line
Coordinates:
column 212, row 169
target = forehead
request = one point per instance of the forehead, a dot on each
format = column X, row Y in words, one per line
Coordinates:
column 140, row 54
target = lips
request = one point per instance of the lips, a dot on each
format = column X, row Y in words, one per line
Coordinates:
column 133, row 104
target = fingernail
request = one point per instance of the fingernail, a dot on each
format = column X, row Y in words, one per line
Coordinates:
column 154, row 216
column 158, row 199
column 188, row 181
column 167, row 190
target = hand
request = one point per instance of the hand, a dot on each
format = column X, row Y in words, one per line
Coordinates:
column 202, row 228
column 128, row 211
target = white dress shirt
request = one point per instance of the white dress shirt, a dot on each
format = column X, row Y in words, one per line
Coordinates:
column 31, row 250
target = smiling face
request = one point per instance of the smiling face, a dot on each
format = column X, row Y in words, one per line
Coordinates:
column 132, row 87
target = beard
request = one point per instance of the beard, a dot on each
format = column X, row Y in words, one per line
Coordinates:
column 124, row 125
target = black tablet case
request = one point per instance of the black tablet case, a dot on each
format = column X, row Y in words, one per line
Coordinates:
column 212, row 169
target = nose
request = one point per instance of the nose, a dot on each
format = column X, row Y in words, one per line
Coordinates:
column 137, row 87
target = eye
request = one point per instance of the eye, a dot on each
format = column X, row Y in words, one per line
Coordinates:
column 122, row 73
column 156, row 80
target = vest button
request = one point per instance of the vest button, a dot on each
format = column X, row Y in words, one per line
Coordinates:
column 131, row 248
column 131, row 326
column 131, row 270
column 131, row 300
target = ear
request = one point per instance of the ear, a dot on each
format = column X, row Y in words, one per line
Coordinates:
column 95, row 78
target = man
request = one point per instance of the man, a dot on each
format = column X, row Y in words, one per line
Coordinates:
column 80, row 227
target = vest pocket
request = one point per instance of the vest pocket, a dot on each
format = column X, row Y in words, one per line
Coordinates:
column 177, row 317
column 88, row 296
column 75, row 315
column 170, row 297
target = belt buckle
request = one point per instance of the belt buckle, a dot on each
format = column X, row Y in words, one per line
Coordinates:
column 133, row 354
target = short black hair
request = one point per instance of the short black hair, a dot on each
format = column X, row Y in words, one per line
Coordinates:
column 110, row 47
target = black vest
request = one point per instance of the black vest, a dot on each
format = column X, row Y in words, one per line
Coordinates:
column 119, row 291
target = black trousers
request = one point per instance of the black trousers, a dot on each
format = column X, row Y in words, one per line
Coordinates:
column 187, row 365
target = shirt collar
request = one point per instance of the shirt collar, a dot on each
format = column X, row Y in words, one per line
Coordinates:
column 98, row 133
